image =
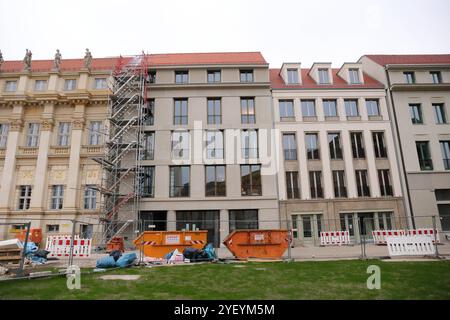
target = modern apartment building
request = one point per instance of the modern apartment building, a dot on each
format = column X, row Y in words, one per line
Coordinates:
column 418, row 92
column 338, row 168
column 210, row 114
column 51, row 124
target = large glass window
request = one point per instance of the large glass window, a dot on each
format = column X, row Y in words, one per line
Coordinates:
column 423, row 152
column 33, row 135
column 287, row 110
column 214, row 144
column 351, row 108
column 289, row 146
column 147, row 181
column 179, row 181
column 379, row 145
column 312, row 146
column 57, row 197
column 90, row 197
column 372, row 107
column 439, row 113
column 357, row 145
column 292, row 190
column 214, row 111
column 149, row 150
column 248, row 110
column 64, row 134
column 180, row 115
column 149, row 112
column 4, row 130
column 181, row 76
column 215, row 181
column 308, row 108
column 340, row 190
column 315, row 183
column 251, row 180
column 94, row 137
column 180, row 145
column 329, row 108
column 201, row 220
column 243, row 219
column 249, row 144
column 385, row 182
column 445, row 150
column 334, row 143
column 24, row 197
column 362, row 184
column 415, row 112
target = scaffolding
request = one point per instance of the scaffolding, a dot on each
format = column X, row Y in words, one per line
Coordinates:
column 122, row 172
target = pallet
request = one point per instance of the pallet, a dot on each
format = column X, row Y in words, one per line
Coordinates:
column 8, row 256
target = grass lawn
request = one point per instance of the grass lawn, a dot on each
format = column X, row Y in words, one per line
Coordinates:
column 277, row 280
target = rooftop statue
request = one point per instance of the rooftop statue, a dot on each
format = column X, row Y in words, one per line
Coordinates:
column 27, row 60
column 57, row 61
column 88, row 59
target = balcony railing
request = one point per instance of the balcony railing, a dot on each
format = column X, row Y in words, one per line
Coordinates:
column 60, row 150
column 28, row 151
column 92, row 149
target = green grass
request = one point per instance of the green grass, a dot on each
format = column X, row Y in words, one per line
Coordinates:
column 295, row 280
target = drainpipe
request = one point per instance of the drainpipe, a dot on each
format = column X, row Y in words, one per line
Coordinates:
column 411, row 221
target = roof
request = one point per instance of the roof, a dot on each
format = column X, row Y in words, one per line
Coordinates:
column 153, row 60
column 308, row 82
column 385, row 59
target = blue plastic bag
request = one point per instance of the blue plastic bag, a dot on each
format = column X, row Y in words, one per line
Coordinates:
column 31, row 247
column 106, row 262
column 125, row 260
column 209, row 250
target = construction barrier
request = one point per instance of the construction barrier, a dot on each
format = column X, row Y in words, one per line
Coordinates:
column 59, row 246
column 339, row 238
column 269, row 244
column 425, row 232
column 379, row 236
column 410, row 245
column 157, row 244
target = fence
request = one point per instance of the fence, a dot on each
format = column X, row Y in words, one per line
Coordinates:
column 352, row 235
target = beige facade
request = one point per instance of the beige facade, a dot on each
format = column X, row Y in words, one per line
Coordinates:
column 45, row 152
column 426, row 176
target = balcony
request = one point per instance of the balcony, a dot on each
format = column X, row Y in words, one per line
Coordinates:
column 28, row 151
column 60, row 151
column 92, row 150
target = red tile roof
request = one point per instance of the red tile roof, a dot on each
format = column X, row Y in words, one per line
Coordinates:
column 153, row 60
column 308, row 82
column 384, row 59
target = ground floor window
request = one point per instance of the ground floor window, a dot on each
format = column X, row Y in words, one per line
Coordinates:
column 444, row 216
column 243, row 219
column 86, row 231
column 201, row 220
column 153, row 220
column 384, row 220
column 306, row 226
column 52, row 228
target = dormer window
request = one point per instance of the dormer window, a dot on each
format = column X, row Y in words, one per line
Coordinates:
column 323, row 76
column 436, row 76
column 292, row 75
column 354, row 76
column 409, row 77
column 181, row 76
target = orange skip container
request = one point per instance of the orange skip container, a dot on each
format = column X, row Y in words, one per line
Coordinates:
column 266, row 244
column 159, row 243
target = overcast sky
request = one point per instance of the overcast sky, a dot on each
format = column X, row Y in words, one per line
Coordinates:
column 283, row 30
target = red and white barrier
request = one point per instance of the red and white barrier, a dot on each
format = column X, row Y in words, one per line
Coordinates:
column 339, row 238
column 379, row 236
column 59, row 246
column 418, row 245
column 429, row 232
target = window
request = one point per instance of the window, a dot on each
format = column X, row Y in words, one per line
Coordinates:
column 308, row 108
column 286, row 110
column 292, row 190
column 33, row 135
column 249, row 144
column 442, row 194
column 180, row 145
column 151, row 76
column 57, row 197
column 409, row 77
column 329, row 108
column 214, row 144
column 384, row 220
column 179, row 181
column 90, row 197
column 315, row 182
column 100, row 83
column 334, row 143
column 340, row 190
column 4, row 130
column 372, row 107
column 10, row 86
column 323, row 76
column 40, row 85
column 213, row 75
column 180, row 115
column 149, row 113
column 385, row 183
column 439, row 113
column 147, row 181
column 181, row 76
column 379, row 145
column 354, row 76
column 243, row 219
column 351, row 108
column 149, row 150
column 251, row 180
column 312, row 146
column 292, row 75
column 246, row 75
column 64, row 134
column 443, row 198
column 361, row 183
column 52, row 227
column 95, row 133
column 357, row 145
column 248, row 110
column 24, row 197
column 436, row 76
column 445, row 150
column 423, row 152
column 215, row 181
column 289, row 146
column 70, row 84
column 214, row 111
column 416, row 113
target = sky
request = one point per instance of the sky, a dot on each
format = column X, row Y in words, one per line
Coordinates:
column 283, row 30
